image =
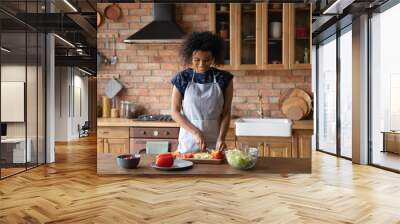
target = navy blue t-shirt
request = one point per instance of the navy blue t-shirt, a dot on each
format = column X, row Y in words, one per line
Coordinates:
column 182, row 79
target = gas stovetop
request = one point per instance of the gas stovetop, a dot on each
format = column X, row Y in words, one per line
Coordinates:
column 154, row 117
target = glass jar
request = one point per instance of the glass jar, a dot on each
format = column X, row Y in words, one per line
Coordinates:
column 223, row 32
column 122, row 109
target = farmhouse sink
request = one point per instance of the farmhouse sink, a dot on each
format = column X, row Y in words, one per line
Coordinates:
column 273, row 127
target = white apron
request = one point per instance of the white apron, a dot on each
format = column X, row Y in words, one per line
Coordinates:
column 202, row 106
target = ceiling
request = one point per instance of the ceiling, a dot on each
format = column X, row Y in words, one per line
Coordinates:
column 75, row 23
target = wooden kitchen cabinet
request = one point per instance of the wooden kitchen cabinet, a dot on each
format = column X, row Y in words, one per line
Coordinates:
column 296, row 146
column 258, row 34
column 113, row 140
column 100, row 145
column 116, row 145
column 276, row 149
column 300, row 36
column 221, row 17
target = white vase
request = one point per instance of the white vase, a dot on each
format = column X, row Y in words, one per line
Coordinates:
column 275, row 30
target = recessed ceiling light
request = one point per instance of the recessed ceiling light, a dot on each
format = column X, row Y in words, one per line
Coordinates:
column 5, row 49
column 64, row 40
column 84, row 71
column 70, row 5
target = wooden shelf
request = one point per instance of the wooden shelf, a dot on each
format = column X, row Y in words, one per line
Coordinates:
column 275, row 10
column 249, row 11
column 222, row 12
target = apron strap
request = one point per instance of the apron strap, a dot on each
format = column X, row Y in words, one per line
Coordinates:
column 215, row 79
column 193, row 75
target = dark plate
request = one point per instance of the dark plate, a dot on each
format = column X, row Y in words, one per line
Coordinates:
column 178, row 165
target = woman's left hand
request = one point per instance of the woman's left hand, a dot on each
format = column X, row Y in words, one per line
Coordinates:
column 221, row 145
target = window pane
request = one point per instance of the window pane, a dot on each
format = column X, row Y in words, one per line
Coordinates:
column 385, row 88
column 346, row 94
column 327, row 96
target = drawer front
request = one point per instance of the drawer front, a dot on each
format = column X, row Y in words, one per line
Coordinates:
column 113, row 132
column 161, row 133
column 138, row 144
column 116, row 146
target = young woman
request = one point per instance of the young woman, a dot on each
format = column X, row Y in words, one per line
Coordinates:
column 202, row 95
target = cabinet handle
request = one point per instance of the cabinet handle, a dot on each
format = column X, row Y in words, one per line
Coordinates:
column 144, row 132
column 155, row 133
column 166, row 133
column 106, row 132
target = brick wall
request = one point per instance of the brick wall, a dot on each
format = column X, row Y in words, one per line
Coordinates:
column 146, row 69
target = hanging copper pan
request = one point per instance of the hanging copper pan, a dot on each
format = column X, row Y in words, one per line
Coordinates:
column 112, row 12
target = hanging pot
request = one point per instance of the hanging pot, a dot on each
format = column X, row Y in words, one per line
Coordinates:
column 112, row 12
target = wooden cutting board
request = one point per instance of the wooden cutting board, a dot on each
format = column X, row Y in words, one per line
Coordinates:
column 294, row 108
column 205, row 161
column 298, row 93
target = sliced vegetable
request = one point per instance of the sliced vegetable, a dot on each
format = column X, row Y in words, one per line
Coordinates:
column 202, row 155
column 217, row 154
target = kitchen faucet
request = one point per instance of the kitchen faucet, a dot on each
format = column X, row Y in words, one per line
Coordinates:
column 260, row 110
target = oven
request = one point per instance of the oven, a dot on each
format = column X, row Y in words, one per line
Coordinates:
column 139, row 136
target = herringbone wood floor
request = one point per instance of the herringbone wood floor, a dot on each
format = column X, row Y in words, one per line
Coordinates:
column 69, row 191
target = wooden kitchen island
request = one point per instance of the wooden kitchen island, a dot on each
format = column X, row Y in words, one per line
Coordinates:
column 107, row 164
column 276, row 154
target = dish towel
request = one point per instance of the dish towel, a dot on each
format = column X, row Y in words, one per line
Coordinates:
column 157, row 147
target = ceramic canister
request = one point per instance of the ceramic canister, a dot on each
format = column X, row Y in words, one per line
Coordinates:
column 275, row 30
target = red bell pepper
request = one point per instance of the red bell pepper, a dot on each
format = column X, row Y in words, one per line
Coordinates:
column 164, row 160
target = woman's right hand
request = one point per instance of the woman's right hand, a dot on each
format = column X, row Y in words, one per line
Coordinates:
column 200, row 140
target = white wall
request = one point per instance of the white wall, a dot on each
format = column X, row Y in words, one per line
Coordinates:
column 71, row 94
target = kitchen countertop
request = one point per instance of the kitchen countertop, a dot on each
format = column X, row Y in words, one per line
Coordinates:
column 107, row 165
column 123, row 122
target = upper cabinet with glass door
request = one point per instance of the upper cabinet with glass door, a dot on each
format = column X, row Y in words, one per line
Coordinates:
column 248, row 36
column 300, row 36
column 220, row 24
column 275, row 32
column 263, row 36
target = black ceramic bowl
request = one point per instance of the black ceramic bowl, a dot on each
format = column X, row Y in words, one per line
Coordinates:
column 128, row 161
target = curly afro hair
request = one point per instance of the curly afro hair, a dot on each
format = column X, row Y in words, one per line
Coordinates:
column 203, row 41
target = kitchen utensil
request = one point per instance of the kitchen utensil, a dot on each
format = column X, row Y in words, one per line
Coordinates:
column 178, row 165
column 113, row 87
column 99, row 19
column 107, row 44
column 112, row 12
column 114, row 58
column 128, row 161
column 275, row 30
column 106, row 107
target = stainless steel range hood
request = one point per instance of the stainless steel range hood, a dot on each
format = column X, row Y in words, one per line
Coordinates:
column 163, row 29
